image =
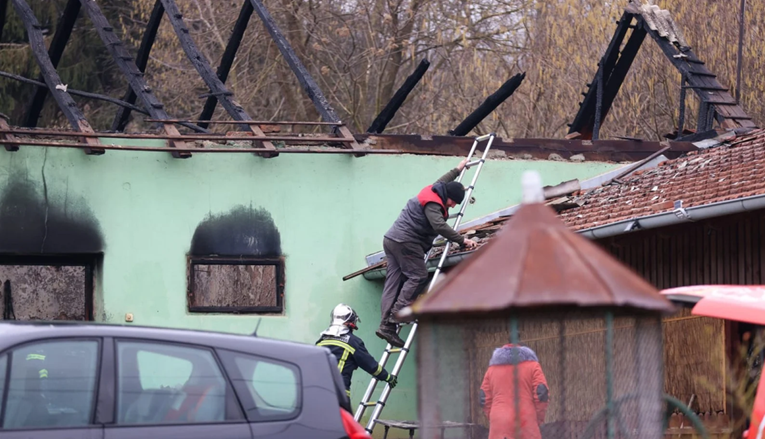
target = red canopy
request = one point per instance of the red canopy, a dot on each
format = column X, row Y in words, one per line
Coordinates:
column 742, row 303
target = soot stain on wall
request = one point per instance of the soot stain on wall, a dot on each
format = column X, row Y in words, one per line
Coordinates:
column 30, row 222
column 243, row 231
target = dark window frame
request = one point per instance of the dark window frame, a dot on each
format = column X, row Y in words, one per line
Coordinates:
column 277, row 262
column 90, row 261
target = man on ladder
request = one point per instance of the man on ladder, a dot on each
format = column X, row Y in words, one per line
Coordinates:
column 409, row 239
column 349, row 349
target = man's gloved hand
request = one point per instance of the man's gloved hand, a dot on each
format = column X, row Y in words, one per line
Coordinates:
column 392, row 380
column 469, row 244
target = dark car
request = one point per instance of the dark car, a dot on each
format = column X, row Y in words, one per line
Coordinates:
column 92, row 381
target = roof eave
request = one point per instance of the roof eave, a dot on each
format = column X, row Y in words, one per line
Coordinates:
column 655, row 221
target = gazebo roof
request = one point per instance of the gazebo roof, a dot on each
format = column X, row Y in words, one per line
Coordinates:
column 536, row 261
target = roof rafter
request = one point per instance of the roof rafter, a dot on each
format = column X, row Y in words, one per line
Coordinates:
column 217, row 88
column 124, row 61
column 149, row 35
column 50, row 76
column 227, row 60
column 56, row 49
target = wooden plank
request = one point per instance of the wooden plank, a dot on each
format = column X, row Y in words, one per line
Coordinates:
column 707, row 255
column 741, row 246
column 227, row 60
column 48, row 72
column 55, row 51
column 4, row 126
column 748, row 250
column 134, row 75
column 712, row 255
column 202, row 66
column 142, row 58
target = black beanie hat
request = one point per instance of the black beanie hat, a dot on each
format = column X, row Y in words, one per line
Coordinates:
column 455, row 191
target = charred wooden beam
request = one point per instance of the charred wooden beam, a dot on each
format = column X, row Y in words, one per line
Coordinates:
column 584, row 122
column 228, row 57
column 3, row 9
column 55, row 51
column 49, row 74
column 142, row 58
column 492, row 102
column 619, row 74
column 387, row 113
column 216, row 86
column 124, row 61
column 304, row 78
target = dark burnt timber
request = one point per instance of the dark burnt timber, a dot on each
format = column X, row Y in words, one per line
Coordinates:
column 217, row 88
column 228, row 57
column 56, row 49
column 387, row 113
column 584, row 121
column 49, row 74
column 3, row 12
column 134, row 76
column 149, row 35
column 491, row 103
column 304, row 78
column 715, row 101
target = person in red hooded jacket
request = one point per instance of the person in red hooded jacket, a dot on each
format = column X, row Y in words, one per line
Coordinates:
column 498, row 394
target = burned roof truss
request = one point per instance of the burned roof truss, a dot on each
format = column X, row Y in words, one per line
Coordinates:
column 133, row 70
column 716, row 104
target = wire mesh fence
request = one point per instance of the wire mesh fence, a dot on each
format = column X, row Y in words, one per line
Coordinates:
column 579, row 374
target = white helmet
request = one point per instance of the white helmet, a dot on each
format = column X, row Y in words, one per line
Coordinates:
column 343, row 319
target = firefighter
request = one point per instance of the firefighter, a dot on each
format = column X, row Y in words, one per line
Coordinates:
column 349, row 349
column 514, row 371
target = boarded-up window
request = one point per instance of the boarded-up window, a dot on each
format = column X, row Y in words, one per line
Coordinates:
column 236, row 285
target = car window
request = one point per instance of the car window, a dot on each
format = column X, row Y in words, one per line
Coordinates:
column 52, row 384
column 274, row 387
column 164, row 383
column 3, row 368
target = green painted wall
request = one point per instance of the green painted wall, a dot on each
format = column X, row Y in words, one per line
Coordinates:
column 331, row 211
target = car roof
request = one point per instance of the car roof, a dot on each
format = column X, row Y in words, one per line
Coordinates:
column 16, row 332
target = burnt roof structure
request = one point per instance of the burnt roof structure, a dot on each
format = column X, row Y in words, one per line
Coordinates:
column 133, row 71
column 716, row 104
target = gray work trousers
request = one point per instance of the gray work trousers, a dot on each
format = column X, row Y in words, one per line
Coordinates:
column 406, row 277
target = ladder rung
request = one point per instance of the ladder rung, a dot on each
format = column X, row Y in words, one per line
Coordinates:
column 473, row 163
column 484, row 137
column 394, row 351
column 369, row 404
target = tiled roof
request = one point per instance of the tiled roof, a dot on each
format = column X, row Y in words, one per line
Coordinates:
column 729, row 171
column 734, row 169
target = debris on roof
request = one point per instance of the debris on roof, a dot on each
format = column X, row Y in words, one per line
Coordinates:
column 731, row 170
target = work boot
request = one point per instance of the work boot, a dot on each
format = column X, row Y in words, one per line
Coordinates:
column 388, row 333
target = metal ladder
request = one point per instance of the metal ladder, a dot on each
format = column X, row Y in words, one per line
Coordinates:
column 389, row 350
